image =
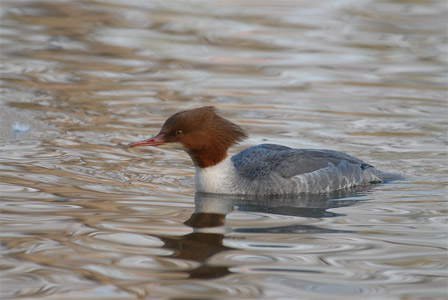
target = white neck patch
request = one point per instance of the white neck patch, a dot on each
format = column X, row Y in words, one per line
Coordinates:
column 217, row 179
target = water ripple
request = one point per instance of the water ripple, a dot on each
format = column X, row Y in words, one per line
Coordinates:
column 83, row 217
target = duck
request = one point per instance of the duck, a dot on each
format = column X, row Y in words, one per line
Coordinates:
column 266, row 169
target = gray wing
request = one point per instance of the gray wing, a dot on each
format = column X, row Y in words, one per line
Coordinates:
column 263, row 160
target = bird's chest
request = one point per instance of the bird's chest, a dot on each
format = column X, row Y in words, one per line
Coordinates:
column 218, row 179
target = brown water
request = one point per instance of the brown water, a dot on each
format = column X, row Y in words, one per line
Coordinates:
column 85, row 218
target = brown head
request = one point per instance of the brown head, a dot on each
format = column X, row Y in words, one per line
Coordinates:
column 204, row 134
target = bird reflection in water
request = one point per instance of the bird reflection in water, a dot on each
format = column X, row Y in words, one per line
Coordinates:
column 207, row 238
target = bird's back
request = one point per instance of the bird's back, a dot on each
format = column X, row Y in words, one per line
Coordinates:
column 271, row 169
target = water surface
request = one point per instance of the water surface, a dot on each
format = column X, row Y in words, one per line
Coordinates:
column 85, row 218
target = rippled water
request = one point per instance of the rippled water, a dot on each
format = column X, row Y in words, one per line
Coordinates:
column 84, row 217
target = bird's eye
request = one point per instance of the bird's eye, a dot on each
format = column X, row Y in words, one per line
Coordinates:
column 179, row 132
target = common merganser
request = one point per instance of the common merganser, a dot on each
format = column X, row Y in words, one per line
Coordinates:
column 266, row 169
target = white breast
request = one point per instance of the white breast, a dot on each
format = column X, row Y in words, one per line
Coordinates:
column 218, row 179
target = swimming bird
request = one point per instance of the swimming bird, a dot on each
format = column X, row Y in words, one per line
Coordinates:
column 266, row 169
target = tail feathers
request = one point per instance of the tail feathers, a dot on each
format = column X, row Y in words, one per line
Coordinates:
column 380, row 176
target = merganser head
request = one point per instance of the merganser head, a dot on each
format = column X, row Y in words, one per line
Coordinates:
column 204, row 134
